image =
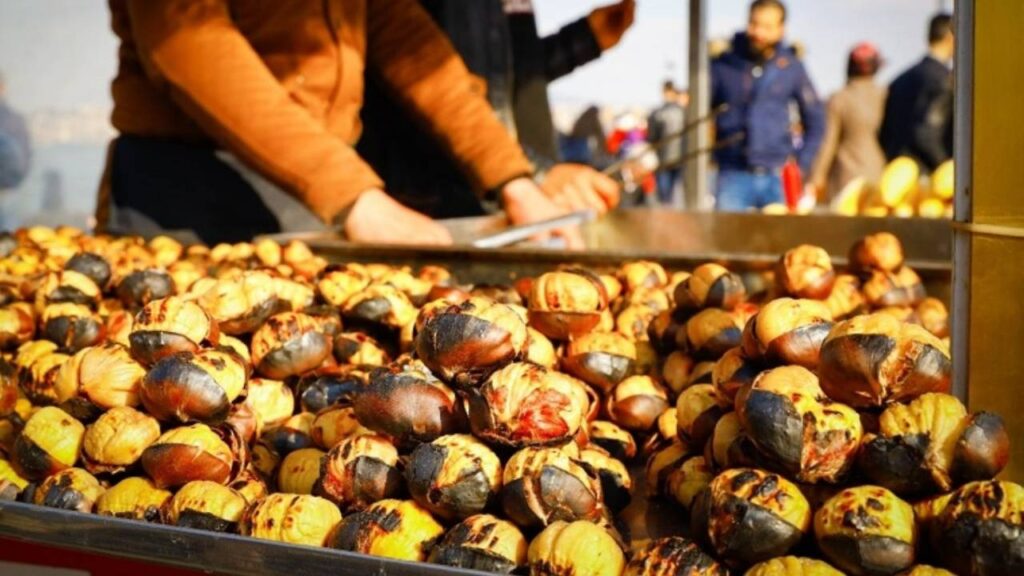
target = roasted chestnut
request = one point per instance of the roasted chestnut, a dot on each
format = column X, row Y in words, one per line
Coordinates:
column 398, row 529
column 710, row 333
column 454, row 476
column 70, row 489
column 50, row 442
column 358, row 472
column 293, row 434
column 634, row 322
column 189, row 453
column 642, row 274
column 17, row 325
column 733, row 372
column 675, row 371
column 846, row 299
column 698, row 408
column 322, row 388
column 617, row 442
column 902, row 287
column 805, row 272
column 790, row 420
column 406, row 402
column 793, row 566
column 67, row 286
column 871, row 360
column 299, row 471
column 11, row 483
column 271, row 400
column 117, row 439
column 168, row 326
column 334, row 424
column 292, row 295
column 106, row 376
column 360, row 349
column 575, row 548
column 673, row 556
column 710, row 286
column 134, row 498
column 881, row 251
column 265, row 460
column 291, row 518
column 238, row 305
column 141, row 287
column 720, row 451
column 464, row 343
column 866, row 530
column 932, row 315
column 91, row 265
column 289, row 344
column 663, row 329
column 542, row 485
column 539, row 349
column 636, row 403
column 206, row 505
column 416, row 289
column 41, row 382
column 932, row 445
column 524, row 404
column 566, row 303
column 340, row 283
column 601, row 359
column 616, row 483
column 71, row 326
column 662, row 463
column 922, row 570
column 380, row 305
column 747, row 516
column 190, row 387
column 980, row 530
column 702, row 373
column 482, row 542
column 788, row 331
column 684, row 483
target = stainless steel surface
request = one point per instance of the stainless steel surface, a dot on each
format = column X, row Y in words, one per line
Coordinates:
column 515, row 234
column 186, row 548
column 696, row 174
column 963, row 146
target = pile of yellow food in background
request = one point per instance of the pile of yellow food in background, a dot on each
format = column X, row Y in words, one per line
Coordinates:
column 903, row 192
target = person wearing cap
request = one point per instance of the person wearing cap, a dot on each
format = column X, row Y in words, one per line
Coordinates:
column 240, row 117
column 759, row 78
column 850, row 148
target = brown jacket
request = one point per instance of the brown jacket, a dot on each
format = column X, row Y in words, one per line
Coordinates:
column 280, row 84
column 850, row 148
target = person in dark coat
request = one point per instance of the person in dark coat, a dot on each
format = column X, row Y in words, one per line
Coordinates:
column 665, row 121
column 15, row 150
column 919, row 110
column 759, row 77
column 499, row 42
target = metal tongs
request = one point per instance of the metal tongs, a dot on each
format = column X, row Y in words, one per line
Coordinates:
column 514, row 234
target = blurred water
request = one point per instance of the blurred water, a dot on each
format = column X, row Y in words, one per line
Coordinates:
column 60, row 188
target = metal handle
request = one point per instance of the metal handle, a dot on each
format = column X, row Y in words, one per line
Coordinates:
column 519, row 233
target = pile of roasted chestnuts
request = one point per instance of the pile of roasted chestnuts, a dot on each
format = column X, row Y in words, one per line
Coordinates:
column 803, row 425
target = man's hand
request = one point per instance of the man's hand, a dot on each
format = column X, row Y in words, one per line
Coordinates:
column 377, row 218
column 525, row 202
column 609, row 23
column 579, row 187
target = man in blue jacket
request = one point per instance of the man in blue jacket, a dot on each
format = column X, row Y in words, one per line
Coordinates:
column 760, row 78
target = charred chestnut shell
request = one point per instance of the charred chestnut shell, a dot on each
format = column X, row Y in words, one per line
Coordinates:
column 866, row 530
column 902, row 287
column 322, row 388
column 932, row 445
column 241, row 304
column 70, row 489
column 94, row 266
column 673, row 556
column 482, row 542
column 205, row 505
column 636, row 403
column 601, row 359
column 408, row 404
column 661, row 464
column 616, row 441
column 398, row 529
column 300, row 470
column 642, row 274
column 980, row 532
column 805, row 272
column 788, row 331
column 454, row 476
column 134, row 498
column 566, row 303
column 733, row 372
column 871, row 360
column 17, row 325
column 698, row 408
column 882, row 251
column 189, row 453
column 793, row 566
column 141, row 287
column 616, row 483
column 747, row 515
column 710, row 333
column 289, row 344
column 524, row 404
column 380, row 305
column 168, row 326
column 933, row 316
column 795, row 425
column 295, row 433
column 846, row 299
column 67, row 287
column 358, row 472
column 543, row 485
column 359, row 349
column 291, row 518
column 688, row 480
column 50, row 442
column 334, row 424
column 464, row 343
column 71, row 326
column 575, row 548
column 710, row 286
column 193, row 387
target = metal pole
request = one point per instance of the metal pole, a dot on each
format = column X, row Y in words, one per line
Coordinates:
column 963, row 146
column 696, row 196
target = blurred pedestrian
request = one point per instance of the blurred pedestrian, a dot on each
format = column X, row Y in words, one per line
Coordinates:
column 15, row 149
column 850, row 148
column 628, row 143
column 919, row 110
column 586, row 142
column 758, row 77
column 667, row 121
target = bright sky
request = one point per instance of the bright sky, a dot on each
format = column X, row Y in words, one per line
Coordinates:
column 61, row 53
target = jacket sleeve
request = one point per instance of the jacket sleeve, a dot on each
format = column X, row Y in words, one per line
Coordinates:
column 569, row 48
column 421, row 68
column 829, row 145
column 931, row 124
column 211, row 71
column 812, row 114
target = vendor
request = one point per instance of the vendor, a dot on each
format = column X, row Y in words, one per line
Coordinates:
column 237, row 118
